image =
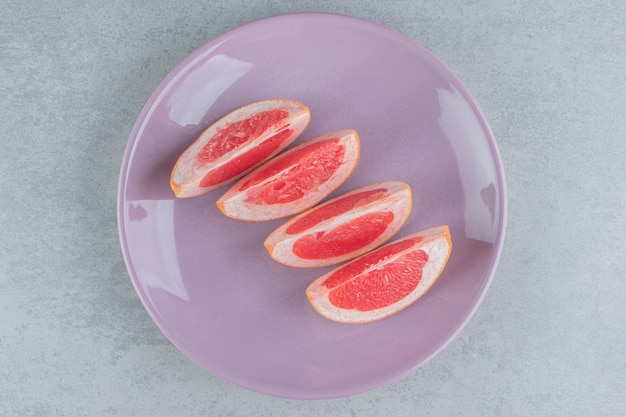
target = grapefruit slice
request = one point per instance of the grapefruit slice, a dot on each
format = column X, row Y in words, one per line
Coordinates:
column 295, row 180
column 384, row 281
column 342, row 228
column 236, row 143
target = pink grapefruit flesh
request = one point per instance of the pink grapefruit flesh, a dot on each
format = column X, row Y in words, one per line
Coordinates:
column 384, row 281
column 343, row 227
column 237, row 143
column 295, row 180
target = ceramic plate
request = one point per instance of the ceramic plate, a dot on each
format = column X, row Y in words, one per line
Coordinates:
column 207, row 281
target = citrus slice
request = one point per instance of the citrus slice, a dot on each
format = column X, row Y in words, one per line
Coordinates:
column 236, row 143
column 295, row 180
column 342, row 228
column 384, row 281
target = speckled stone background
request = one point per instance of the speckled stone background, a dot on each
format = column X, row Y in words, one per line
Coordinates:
column 550, row 337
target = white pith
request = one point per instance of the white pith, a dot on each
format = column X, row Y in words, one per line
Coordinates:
column 397, row 200
column 436, row 245
column 189, row 176
column 234, row 204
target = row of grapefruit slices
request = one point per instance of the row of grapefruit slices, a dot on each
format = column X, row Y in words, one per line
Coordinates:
column 248, row 146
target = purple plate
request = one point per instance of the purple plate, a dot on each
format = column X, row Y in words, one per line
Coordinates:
column 208, row 282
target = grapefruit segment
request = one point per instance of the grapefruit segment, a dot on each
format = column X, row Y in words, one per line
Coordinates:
column 382, row 282
column 295, row 180
column 343, row 227
column 236, row 143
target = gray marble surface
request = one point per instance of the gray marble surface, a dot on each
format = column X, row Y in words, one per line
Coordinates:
column 550, row 337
